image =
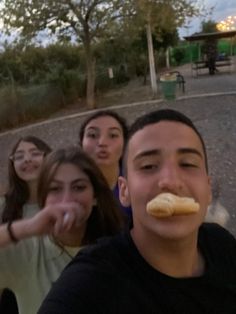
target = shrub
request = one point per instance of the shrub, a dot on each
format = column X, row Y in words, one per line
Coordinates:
column 20, row 105
column 10, row 107
column 178, row 55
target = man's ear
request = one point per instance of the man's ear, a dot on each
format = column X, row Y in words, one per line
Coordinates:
column 123, row 192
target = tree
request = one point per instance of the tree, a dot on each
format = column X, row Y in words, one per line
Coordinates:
column 209, row 27
column 83, row 21
column 157, row 16
column 87, row 21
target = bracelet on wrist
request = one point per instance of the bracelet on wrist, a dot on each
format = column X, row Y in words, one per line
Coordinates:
column 11, row 233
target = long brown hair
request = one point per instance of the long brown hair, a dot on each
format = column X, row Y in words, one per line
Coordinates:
column 105, row 218
column 18, row 191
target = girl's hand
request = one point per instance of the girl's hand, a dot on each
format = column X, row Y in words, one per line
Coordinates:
column 56, row 218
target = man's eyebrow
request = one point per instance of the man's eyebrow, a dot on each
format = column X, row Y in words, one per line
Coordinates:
column 157, row 152
column 147, row 153
column 188, row 150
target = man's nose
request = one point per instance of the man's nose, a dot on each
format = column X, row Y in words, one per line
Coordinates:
column 169, row 178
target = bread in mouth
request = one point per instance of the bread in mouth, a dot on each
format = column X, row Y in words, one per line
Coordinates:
column 168, row 204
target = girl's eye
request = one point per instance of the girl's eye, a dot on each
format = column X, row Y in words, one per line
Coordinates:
column 92, row 134
column 54, row 189
column 79, row 187
column 114, row 135
column 37, row 153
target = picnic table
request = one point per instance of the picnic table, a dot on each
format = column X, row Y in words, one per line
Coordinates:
column 203, row 64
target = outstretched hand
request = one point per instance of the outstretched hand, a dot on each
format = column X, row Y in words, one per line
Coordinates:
column 57, row 218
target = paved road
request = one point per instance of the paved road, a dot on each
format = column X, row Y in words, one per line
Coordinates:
column 209, row 100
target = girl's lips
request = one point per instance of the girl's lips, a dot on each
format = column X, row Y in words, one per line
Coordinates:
column 103, row 154
column 29, row 168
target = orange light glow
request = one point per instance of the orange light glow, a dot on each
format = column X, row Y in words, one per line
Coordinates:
column 228, row 24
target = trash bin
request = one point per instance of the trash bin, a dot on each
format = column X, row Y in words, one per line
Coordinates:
column 168, row 85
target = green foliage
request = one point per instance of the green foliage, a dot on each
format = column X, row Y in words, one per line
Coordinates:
column 162, row 14
column 22, row 105
column 82, row 21
column 209, row 27
column 89, row 22
column 10, row 107
column 32, row 64
column 111, row 34
column 178, row 55
column 70, row 81
column 209, row 46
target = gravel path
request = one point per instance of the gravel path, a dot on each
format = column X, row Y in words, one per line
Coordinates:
column 210, row 101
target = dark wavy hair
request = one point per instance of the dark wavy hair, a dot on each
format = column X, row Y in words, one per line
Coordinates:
column 18, row 191
column 106, row 218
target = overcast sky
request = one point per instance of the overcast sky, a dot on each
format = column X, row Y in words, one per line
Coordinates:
column 222, row 9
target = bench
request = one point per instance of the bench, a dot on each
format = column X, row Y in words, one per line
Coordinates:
column 180, row 80
column 198, row 65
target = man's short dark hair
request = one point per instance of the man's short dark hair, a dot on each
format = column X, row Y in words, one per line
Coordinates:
column 162, row 115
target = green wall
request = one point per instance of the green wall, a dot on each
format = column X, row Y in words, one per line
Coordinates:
column 191, row 50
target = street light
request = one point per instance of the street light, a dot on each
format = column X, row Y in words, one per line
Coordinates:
column 228, row 24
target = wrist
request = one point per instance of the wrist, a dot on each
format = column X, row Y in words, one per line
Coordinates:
column 18, row 230
column 11, row 232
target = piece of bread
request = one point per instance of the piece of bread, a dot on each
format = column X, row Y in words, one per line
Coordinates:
column 167, row 204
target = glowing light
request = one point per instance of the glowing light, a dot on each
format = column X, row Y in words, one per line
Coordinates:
column 228, row 24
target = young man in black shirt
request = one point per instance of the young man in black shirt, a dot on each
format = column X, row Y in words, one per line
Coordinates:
column 169, row 265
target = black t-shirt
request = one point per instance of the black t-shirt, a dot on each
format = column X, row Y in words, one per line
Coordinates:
column 113, row 278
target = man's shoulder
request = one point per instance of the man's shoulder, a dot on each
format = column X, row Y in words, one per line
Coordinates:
column 107, row 262
column 217, row 240
column 214, row 230
column 107, row 250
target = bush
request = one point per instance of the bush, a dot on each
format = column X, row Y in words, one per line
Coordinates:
column 70, row 82
column 22, row 105
column 41, row 100
column 178, row 55
column 10, row 107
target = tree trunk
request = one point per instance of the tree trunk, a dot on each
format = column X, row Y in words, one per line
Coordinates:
column 90, row 90
column 151, row 61
column 168, row 57
column 90, row 84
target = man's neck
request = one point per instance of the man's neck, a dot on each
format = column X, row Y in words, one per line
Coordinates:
column 176, row 258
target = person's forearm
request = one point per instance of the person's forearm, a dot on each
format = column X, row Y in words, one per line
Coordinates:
column 20, row 229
